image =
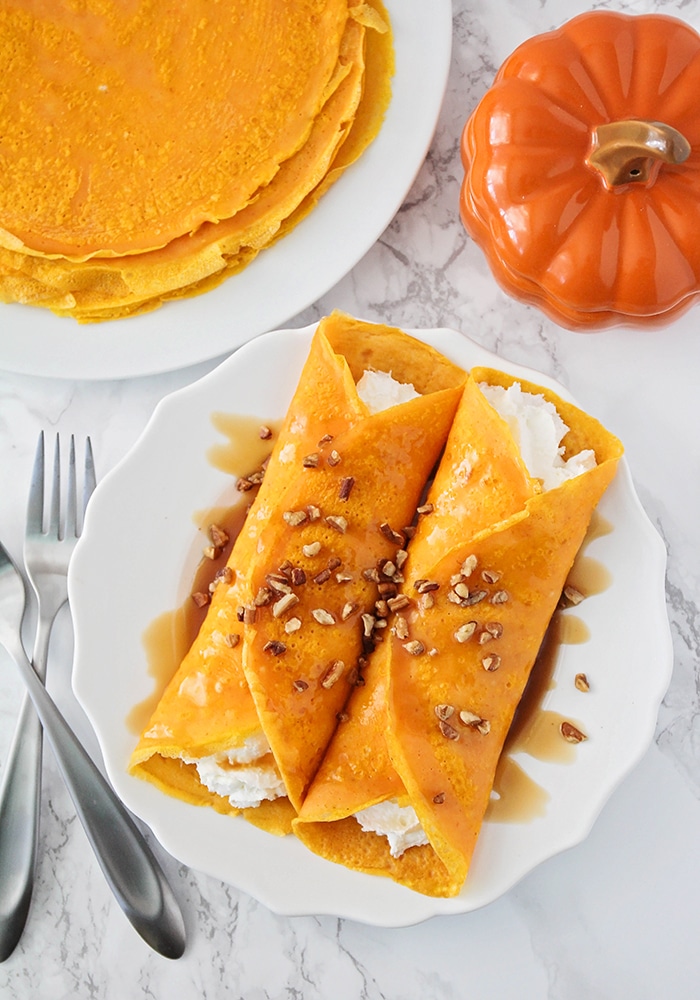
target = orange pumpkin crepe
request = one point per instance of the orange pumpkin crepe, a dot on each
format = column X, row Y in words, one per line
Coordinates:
column 485, row 572
column 163, row 182
column 283, row 640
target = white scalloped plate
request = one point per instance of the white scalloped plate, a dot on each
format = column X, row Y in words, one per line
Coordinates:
column 285, row 278
column 135, row 560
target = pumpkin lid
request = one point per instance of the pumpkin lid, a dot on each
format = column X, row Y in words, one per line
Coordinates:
column 582, row 182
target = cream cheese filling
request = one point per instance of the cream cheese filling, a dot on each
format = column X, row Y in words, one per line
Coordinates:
column 399, row 824
column 538, row 430
column 245, row 775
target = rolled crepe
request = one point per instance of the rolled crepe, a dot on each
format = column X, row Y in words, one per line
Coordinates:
column 282, row 643
column 485, row 571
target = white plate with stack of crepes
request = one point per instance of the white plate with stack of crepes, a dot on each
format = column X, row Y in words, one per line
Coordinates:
column 154, row 199
column 602, row 669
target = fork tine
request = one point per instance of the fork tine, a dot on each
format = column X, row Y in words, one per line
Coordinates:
column 54, row 526
column 35, row 505
column 71, row 530
column 90, row 477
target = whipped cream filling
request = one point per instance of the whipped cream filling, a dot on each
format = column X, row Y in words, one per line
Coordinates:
column 538, row 430
column 399, row 824
column 380, row 390
column 245, row 775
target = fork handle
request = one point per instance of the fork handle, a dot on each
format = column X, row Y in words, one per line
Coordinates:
column 131, row 870
column 19, row 827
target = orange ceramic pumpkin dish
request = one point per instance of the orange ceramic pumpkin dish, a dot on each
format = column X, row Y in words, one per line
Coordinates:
column 582, row 171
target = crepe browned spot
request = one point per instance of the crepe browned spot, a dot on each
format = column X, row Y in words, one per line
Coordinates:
column 108, row 276
column 485, row 571
column 340, row 484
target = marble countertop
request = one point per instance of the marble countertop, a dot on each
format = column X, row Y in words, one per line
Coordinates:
column 616, row 916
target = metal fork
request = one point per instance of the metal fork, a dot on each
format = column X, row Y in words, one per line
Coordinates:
column 46, row 557
column 126, row 860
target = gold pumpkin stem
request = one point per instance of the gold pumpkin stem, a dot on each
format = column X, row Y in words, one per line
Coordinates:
column 633, row 151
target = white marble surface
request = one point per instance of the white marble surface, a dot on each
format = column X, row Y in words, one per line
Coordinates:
column 615, row 917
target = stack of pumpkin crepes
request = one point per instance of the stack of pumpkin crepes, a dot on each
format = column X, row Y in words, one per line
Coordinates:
column 373, row 628
column 146, row 157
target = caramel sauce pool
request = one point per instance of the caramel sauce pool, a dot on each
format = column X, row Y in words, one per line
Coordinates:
column 170, row 635
column 535, row 730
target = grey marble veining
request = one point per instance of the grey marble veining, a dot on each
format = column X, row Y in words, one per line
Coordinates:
column 615, row 917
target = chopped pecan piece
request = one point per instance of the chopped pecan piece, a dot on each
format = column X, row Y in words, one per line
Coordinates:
column 345, row 488
column 469, row 565
column 323, row 617
column 279, row 583
column 571, row 734
column 399, row 602
column 397, row 537
column 295, row 517
column 284, row 604
column 474, row 721
column 338, row 522
column 218, row 537
column 274, row 647
column 368, row 622
column 500, row 597
column 475, row 598
column 401, row 628
column 333, row 674
column 572, row 595
column 414, row 647
column 444, row 711
column 465, row 632
column 448, row 731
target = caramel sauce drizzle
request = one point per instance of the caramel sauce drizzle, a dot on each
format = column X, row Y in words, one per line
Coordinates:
column 170, row 635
